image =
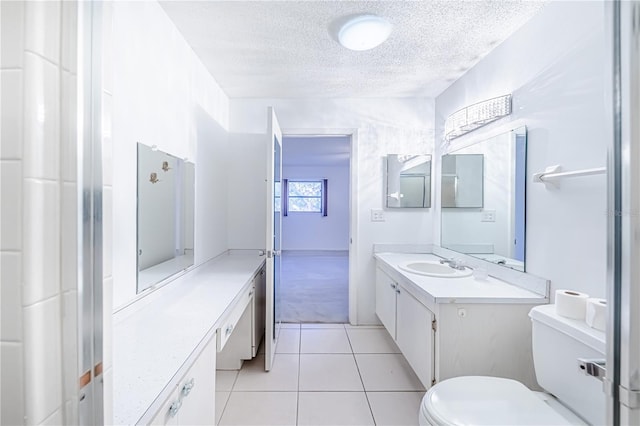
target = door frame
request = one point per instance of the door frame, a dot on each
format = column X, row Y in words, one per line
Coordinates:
column 352, row 133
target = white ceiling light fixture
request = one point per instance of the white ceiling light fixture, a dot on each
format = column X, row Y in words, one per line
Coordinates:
column 364, row 32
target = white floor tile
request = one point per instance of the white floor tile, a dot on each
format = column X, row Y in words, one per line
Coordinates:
column 221, row 402
column 333, row 408
column 387, row 372
column 282, row 377
column 324, row 341
column 290, row 325
column 395, row 408
column 371, row 341
column 260, row 408
column 321, row 325
column 329, row 372
column 225, row 379
column 288, row 341
column 348, row 326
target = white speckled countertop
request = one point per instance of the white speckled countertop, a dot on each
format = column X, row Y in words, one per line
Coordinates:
column 453, row 290
column 153, row 338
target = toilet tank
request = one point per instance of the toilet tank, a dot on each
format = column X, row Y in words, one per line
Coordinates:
column 557, row 344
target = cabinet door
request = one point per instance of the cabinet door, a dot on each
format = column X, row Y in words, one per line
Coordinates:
column 168, row 414
column 198, row 390
column 386, row 301
column 415, row 335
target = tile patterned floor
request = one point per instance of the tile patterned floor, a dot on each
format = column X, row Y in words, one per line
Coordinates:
column 329, row 374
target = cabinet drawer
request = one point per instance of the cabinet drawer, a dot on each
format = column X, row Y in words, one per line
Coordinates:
column 230, row 321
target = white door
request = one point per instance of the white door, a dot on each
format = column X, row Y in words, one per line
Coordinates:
column 273, row 238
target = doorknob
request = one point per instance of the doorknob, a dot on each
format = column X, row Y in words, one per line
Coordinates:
column 276, row 252
column 261, row 253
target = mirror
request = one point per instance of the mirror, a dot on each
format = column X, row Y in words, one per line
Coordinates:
column 408, row 181
column 166, row 196
column 483, row 199
column 462, row 182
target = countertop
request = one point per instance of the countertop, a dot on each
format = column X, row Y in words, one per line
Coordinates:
column 454, row 290
column 154, row 337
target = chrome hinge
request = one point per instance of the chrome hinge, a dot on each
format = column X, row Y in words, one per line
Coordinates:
column 269, row 254
column 629, row 398
column 434, row 325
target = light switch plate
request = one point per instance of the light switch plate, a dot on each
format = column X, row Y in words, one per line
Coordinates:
column 488, row 216
column 377, row 215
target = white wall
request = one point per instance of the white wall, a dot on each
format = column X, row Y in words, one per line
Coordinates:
column 163, row 95
column 312, row 231
column 554, row 66
column 399, row 126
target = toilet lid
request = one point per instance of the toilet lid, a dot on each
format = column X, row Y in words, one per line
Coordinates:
column 477, row 400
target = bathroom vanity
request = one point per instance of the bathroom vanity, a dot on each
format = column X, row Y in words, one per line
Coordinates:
column 449, row 327
column 168, row 344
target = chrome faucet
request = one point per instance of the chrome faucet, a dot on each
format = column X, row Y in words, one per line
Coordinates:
column 455, row 264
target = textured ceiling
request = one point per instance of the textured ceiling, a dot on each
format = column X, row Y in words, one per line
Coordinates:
column 288, row 49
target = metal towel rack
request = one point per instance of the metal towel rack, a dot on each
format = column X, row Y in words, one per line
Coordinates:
column 552, row 174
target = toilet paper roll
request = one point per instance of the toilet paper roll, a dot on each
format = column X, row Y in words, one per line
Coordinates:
column 571, row 304
column 596, row 313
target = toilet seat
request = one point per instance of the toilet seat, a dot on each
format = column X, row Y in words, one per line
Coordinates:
column 479, row 400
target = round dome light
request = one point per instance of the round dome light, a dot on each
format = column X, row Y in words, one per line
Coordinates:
column 364, row 32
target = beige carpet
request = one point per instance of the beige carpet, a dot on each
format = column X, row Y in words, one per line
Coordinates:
column 314, row 287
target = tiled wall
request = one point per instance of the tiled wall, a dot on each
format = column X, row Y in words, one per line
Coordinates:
column 38, row 213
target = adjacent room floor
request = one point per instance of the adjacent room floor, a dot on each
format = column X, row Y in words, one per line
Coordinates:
column 314, row 287
column 330, row 374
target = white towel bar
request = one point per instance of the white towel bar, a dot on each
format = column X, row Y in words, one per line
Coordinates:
column 553, row 173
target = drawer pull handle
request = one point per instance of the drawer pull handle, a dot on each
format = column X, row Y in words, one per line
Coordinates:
column 175, row 407
column 398, row 290
column 228, row 330
column 392, row 285
column 188, row 387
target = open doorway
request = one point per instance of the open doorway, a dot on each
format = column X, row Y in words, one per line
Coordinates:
column 315, row 229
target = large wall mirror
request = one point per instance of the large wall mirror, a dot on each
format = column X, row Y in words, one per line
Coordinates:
column 166, row 196
column 483, row 199
column 408, row 181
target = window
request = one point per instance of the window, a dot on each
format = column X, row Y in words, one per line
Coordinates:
column 306, row 196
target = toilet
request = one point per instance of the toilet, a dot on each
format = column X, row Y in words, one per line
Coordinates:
column 570, row 396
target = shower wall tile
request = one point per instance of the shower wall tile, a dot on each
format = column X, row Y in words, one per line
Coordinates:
column 10, row 205
column 11, row 34
column 11, row 297
column 12, row 387
column 41, row 118
column 11, row 114
column 42, row 24
column 70, row 344
column 42, row 359
column 69, row 28
column 69, row 136
column 41, row 261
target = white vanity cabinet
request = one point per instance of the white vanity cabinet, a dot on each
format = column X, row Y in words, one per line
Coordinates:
column 410, row 324
column 258, row 310
column 452, row 327
column 193, row 400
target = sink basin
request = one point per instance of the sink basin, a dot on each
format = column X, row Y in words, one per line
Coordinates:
column 433, row 268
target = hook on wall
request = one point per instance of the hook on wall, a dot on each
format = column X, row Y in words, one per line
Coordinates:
column 165, row 166
column 153, row 178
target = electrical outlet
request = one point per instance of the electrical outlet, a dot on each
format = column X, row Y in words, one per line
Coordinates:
column 488, row 216
column 377, row 215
